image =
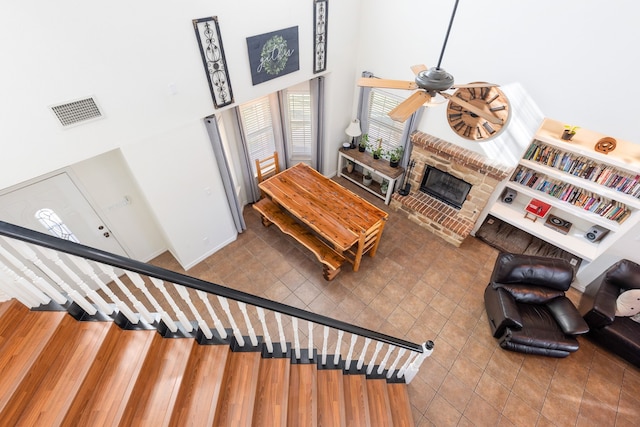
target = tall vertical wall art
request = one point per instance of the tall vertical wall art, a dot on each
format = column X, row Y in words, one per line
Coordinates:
column 320, row 13
column 213, row 59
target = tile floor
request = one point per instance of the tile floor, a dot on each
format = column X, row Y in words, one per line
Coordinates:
column 418, row 287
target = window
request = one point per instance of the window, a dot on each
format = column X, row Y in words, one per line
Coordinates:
column 54, row 225
column 380, row 124
column 298, row 112
column 257, row 121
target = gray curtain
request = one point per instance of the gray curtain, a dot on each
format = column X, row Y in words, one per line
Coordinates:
column 227, row 180
column 250, row 183
column 316, row 87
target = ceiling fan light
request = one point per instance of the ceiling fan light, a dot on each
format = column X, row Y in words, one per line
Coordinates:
column 434, row 79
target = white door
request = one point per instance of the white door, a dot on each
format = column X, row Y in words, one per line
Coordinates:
column 40, row 206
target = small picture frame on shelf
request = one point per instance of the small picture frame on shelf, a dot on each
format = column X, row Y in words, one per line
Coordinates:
column 536, row 209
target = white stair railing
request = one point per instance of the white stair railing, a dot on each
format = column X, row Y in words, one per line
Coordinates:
column 252, row 333
column 182, row 318
column 184, row 294
column 137, row 304
column 234, row 327
column 265, row 330
column 216, row 320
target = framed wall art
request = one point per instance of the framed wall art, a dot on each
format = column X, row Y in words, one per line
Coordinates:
column 273, row 54
column 320, row 13
column 214, row 61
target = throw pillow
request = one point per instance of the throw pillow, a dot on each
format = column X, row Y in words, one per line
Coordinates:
column 628, row 303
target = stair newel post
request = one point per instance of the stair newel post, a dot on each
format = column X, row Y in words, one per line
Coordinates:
column 93, row 295
column 159, row 284
column 392, row 368
column 252, row 333
column 86, row 268
column 372, row 362
column 184, row 294
column 412, row 370
column 405, row 366
column 76, row 296
column 296, row 338
column 265, row 330
column 137, row 304
column 325, row 338
column 140, row 284
column 367, row 341
column 310, row 330
column 385, row 359
column 336, row 355
column 216, row 320
column 236, row 331
column 38, row 281
column 23, row 291
column 283, row 340
column 347, row 362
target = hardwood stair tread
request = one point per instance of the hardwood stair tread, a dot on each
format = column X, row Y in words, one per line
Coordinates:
column 47, row 391
column 155, row 392
column 331, row 398
column 379, row 407
column 303, row 400
column 400, row 404
column 238, row 390
column 201, row 386
column 356, row 403
column 103, row 395
column 11, row 314
column 272, row 394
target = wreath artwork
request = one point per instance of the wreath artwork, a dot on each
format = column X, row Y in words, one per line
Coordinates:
column 273, row 54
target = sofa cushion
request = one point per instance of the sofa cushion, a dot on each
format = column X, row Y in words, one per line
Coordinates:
column 628, row 303
column 625, row 273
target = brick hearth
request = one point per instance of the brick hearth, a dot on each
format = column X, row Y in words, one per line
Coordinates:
column 451, row 224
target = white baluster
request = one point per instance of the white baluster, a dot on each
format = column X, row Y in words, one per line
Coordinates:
column 38, row 281
column 325, row 338
column 412, row 371
column 139, row 283
column 22, row 290
column 347, row 362
column 385, row 359
column 296, row 339
column 86, row 268
column 373, row 358
column 336, row 356
column 216, row 321
column 392, row 368
column 265, row 330
column 137, row 304
column 159, row 284
column 252, row 334
column 283, row 340
column 184, row 294
column 310, row 329
column 367, row 341
column 236, row 331
column 405, row 365
column 90, row 293
column 73, row 294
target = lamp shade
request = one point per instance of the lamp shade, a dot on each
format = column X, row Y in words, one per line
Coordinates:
column 353, row 129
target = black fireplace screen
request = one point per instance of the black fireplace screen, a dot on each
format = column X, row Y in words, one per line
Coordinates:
column 445, row 187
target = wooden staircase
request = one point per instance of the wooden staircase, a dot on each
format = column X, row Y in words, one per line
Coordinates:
column 58, row 371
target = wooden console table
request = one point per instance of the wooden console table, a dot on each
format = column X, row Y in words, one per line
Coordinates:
column 380, row 168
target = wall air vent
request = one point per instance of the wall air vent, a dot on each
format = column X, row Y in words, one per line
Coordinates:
column 76, row 112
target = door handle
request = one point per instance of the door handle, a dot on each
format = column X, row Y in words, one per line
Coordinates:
column 106, row 234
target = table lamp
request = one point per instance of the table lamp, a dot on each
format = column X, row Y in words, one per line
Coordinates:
column 353, row 130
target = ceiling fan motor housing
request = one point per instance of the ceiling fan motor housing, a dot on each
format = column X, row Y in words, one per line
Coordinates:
column 434, row 79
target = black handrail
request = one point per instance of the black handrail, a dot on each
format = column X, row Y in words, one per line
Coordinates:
column 52, row 242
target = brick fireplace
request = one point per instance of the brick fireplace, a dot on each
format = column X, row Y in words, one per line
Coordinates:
column 452, row 224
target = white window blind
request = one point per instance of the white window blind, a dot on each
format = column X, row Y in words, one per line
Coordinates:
column 380, row 124
column 258, row 128
column 299, row 123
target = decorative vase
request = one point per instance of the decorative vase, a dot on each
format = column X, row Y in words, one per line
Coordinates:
column 367, row 181
column 567, row 135
column 349, row 167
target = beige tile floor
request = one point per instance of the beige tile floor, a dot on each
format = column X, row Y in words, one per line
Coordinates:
column 418, row 287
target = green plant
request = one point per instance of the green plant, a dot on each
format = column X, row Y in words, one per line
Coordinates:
column 367, row 174
column 396, row 154
column 571, row 129
column 364, row 140
column 377, row 152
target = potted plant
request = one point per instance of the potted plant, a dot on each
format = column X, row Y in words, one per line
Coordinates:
column 394, row 156
column 384, row 186
column 377, row 152
column 364, row 142
column 367, row 178
column 569, row 131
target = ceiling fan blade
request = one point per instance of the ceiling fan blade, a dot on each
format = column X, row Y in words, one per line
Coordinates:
column 417, row 68
column 409, row 106
column 472, row 85
column 385, row 83
column 472, row 108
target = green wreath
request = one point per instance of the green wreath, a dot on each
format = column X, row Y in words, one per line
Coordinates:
column 270, row 64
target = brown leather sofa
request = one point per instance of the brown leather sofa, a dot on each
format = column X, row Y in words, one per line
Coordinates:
column 527, row 308
column 620, row 335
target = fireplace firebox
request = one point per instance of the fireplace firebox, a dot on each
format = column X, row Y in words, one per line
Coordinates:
column 445, row 187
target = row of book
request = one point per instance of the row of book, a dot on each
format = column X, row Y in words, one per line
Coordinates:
column 584, row 167
column 569, row 193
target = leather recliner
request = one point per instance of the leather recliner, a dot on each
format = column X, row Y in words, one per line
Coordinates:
column 527, row 308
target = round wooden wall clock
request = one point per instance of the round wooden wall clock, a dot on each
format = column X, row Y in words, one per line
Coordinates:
column 470, row 125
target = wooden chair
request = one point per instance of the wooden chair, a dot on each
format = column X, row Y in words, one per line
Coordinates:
column 267, row 167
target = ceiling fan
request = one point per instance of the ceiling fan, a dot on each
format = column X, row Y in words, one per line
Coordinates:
column 475, row 102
